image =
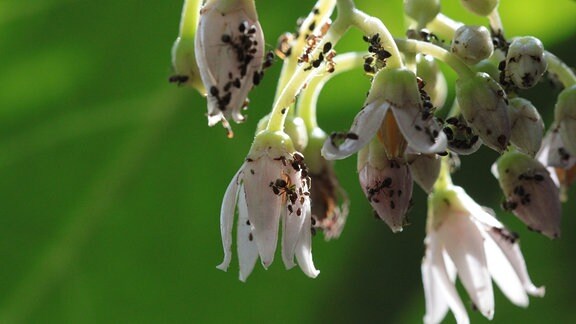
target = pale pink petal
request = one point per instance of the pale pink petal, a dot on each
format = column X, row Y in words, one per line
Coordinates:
column 227, row 219
column 263, row 204
column 464, row 244
column 439, row 288
column 365, row 125
column 247, row 249
column 423, row 135
column 511, row 250
column 291, row 232
column 304, row 249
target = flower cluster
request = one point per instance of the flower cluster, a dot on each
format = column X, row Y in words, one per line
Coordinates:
column 401, row 136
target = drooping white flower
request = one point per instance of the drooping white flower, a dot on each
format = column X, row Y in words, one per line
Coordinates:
column 464, row 239
column 394, row 103
column 229, row 49
column 271, row 186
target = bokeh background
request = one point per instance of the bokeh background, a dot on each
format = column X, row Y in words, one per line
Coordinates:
column 111, row 181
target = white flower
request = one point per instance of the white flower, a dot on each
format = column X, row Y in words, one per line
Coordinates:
column 394, row 104
column 272, row 185
column 465, row 239
column 229, row 50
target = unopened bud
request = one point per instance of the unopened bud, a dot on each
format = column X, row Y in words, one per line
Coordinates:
column 525, row 62
column 480, row 7
column 526, row 125
column 530, row 192
column 184, row 64
column 423, row 11
column 229, row 50
column 472, row 44
column 484, row 105
column 565, row 117
column 434, row 81
column 387, row 184
column 425, row 169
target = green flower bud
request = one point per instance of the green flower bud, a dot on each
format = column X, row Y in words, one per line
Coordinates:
column 472, row 44
column 423, row 11
column 480, row 7
column 484, row 106
column 525, row 62
column 184, row 64
column 526, row 125
column 565, row 116
column 530, row 192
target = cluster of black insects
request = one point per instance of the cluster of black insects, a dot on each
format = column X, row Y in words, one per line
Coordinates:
column 377, row 59
column 336, row 138
column 459, row 134
column 520, row 191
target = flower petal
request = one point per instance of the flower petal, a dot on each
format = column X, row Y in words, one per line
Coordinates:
column 464, row 245
column 291, row 232
column 227, row 219
column 423, row 135
column 304, row 248
column 263, row 204
column 439, row 289
column 365, row 125
column 511, row 250
column 247, row 249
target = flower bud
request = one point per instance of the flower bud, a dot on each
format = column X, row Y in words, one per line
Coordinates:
column 434, row 81
column 472, row 44
column 387, row 183
column 461, row 138
column 425, row 169
column 530, row 192
column 565, row 117
column 527, row 127
column 525, row 62
column 480, row 7
column 329, row 200
column 229, row 49
column 484, row 105
column 184, row 64
column 423, row 11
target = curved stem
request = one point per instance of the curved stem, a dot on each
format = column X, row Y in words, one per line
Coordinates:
column 189, row 18
column 415, row 46
column 319, row 15
column 304, row 73
column 309, row 97
column 444, row 26
column 444, row 179
column 564, row 72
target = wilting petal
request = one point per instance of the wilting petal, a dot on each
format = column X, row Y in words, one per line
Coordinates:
column 439, row 288
column 227, row 219
column 247, row 249
column 424, row 135
column 464, row 245
column 365, row 125
column 304, row 249
column 263, row 204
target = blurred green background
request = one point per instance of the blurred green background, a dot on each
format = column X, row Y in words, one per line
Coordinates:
column 111, row 182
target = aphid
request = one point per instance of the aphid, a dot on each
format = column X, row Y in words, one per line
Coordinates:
column 180, row 79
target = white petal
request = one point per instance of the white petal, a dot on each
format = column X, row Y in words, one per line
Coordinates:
column 512, row 252
column 292, row 226
column 439, row 288
column 227, row 219
column 420, row 133
column 482, row 214
column 503, row 273
column 247, row 249
column 304, row 249
column 365, row 125
column 464, row 245
column 263, row 205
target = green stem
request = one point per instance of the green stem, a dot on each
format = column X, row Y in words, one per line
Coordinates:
column 189, row 18
column 496, row 22
column 564, row 72
column 304, row 73
column 444, row 179
column 444, row 26
column 309, row 97
column 415, row 46
column 324, row 9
